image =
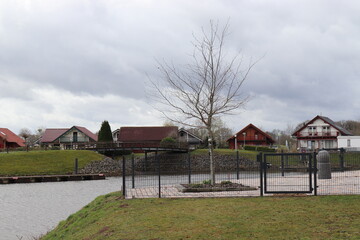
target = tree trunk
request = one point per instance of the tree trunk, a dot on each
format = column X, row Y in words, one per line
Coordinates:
column 211, row 157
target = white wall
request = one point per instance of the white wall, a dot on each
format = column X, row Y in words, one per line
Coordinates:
column 345, row 141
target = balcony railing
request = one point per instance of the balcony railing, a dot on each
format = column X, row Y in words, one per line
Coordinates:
column 318, row 134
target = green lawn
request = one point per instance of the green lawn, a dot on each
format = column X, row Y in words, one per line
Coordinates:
column 111, row 217
column 44, row 162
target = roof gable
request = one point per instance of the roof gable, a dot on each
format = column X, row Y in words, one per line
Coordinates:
column 253, row 127
column 133, row 134
column 11, row 137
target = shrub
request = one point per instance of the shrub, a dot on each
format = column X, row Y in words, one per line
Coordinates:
column 206, row 182
column 167, row 142
column 259, row 148
column 226, row 182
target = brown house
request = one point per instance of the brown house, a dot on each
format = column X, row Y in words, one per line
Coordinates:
column 8, row 139
column 250, row 135
column 146, row 134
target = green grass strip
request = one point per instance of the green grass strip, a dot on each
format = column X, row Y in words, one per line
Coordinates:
column 110, row 217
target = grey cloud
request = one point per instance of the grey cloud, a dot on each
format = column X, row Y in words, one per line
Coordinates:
column 89, row 48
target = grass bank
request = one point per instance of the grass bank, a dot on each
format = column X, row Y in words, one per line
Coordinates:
column 44, row 162
column 110, row 217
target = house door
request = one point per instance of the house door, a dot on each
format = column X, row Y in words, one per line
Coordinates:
column 75, row 136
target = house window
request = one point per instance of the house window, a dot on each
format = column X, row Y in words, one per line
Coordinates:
column 348, row 143
column 329, row 144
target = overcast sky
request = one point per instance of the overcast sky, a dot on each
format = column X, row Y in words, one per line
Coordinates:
column 65, row 63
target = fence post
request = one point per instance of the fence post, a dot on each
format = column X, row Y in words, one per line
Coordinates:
column 123, row 177
column 189, row 166
column 315, row 173
column 342, row 151
column 282, row 165
column 76, row 165
column 159, row 172
column 237, row 165
column 259, row 159
column 133, row 170
column 145, row 161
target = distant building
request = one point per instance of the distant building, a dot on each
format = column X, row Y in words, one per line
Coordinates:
column 67, row 138
column 250, row 135
column 8, row 139
column 193, row 140
column 350, row 143
column 320, row 132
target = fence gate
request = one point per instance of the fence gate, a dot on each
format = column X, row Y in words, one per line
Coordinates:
column 288, row 173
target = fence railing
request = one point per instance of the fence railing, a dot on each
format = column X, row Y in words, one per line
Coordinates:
column 158, row 173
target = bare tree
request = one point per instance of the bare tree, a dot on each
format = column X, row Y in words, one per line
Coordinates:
column 207, row 88
column 25, row 133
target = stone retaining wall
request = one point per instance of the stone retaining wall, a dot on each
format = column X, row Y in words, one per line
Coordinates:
column 170, row 163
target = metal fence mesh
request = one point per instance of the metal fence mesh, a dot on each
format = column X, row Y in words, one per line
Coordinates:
column 162, row 175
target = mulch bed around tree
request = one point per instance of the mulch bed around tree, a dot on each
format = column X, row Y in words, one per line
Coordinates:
column 218, row 187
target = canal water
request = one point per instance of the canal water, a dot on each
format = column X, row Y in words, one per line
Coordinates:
column 30, row 210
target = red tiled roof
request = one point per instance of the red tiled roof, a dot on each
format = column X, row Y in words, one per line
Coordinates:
column 138, row 134
column 11, row 137
column 51, row 134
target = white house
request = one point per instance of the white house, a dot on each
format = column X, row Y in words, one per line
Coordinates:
column 320, row 132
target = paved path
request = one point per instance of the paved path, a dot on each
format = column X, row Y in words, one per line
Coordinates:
column 341, row 183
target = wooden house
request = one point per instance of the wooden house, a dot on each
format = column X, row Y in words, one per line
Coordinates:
column 250, row 135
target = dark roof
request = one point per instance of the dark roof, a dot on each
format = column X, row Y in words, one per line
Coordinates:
column 51, row 134
column 138, row 134
column 331, row 122
column 11, row 137
column 342, row 130
column 189, row 133
column 254, row 127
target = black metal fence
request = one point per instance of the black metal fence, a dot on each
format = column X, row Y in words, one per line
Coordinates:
column 345, row 174
column 162, row 175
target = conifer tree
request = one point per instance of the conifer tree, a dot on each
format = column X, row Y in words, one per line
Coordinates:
column 105, row 134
